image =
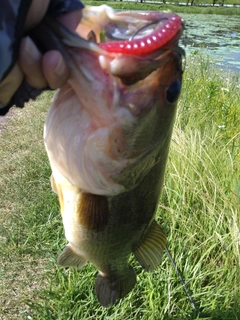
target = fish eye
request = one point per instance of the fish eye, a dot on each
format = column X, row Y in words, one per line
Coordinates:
column 173, row 91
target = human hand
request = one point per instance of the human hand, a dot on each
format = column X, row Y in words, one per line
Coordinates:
column 38, row 70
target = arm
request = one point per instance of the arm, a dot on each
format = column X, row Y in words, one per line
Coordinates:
column 24, row 71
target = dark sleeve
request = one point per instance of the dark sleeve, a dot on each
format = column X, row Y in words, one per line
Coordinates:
column 12, row 18
column 13, row 15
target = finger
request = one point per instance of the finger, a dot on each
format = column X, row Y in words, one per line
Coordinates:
column 71, row 19
column 30, row 61
column 54, row 69
column 10, row 84
column 36, row 12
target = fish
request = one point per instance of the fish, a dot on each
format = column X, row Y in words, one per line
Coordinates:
column 107, row 136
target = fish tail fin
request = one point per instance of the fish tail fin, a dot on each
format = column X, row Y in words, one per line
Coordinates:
column 150, row 250
column 111, row 288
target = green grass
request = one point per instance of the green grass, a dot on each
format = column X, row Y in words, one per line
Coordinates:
column 199, row 210
column 125, row 5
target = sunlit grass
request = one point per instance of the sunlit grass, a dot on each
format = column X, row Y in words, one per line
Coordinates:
column 199, row 210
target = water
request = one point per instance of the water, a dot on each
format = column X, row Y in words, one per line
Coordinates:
column 216, row 35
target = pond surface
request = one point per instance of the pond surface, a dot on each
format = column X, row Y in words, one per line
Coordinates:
column 216, row 35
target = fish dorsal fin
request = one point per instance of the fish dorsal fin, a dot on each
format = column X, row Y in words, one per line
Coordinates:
column 68, row 258
column 92, row 211
column 113, row 287
column 150, row 250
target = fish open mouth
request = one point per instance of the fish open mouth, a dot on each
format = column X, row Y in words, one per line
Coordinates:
column 168, row 29
column 126, row 33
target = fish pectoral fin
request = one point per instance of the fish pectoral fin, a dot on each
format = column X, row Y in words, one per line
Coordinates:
column 92, row 212
column 68, row 258
column 149, row 252
column 111, row 288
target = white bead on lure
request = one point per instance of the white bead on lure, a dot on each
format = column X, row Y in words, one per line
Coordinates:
column 107, row 136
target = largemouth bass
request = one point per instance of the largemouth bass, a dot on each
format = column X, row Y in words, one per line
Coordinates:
column 107, row 136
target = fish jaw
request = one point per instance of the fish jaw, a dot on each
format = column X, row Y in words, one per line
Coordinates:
column 100, row 136
column 81, row 128
column 110, row 128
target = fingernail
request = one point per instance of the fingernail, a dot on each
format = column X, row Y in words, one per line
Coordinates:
column 30, row 49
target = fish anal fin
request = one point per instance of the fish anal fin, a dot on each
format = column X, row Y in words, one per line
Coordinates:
column 92, row 211
column 68, row 258
column 111, row 288
column 150, row 250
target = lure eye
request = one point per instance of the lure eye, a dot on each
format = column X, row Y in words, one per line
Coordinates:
column 173, row 91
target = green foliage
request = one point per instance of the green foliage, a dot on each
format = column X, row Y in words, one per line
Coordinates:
column 215, row 96
column 199, row 211
column 137, row 5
